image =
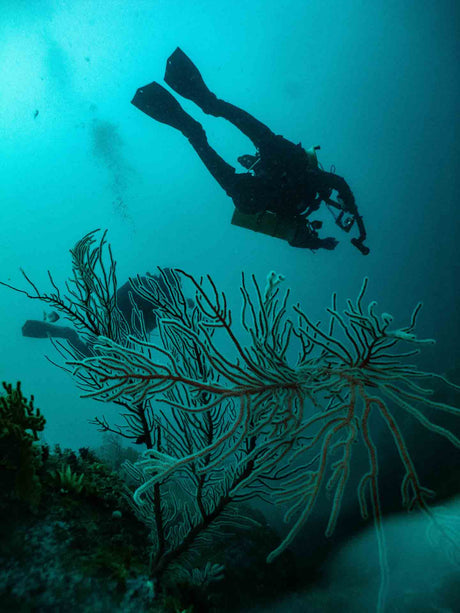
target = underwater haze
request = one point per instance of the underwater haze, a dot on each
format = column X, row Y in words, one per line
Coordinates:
column 374, row 83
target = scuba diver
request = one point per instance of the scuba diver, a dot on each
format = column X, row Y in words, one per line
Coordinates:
column 283, row 184
column 126, row 300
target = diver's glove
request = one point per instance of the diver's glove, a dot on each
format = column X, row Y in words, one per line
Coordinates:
column 329, row 243
column 304, row 235
column 309, row 241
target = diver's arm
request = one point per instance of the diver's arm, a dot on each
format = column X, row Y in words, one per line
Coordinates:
column 327, row 181
column 333, row 181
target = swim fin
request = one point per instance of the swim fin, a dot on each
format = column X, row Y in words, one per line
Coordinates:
column 184, row 78
column 156, row 102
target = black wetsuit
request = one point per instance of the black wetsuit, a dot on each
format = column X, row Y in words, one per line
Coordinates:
column 285, row 183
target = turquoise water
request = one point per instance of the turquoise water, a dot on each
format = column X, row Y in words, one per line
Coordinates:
column 375, row 84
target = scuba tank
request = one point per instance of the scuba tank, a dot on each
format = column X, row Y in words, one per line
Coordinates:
column 266, row 222
column 271, row 224
column 286, row 228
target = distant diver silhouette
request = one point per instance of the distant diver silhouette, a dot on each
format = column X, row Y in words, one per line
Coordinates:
column 125, row 296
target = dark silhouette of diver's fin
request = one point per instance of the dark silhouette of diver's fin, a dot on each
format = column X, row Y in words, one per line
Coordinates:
column 33, row 328
column 184, row 78
column 156, row 102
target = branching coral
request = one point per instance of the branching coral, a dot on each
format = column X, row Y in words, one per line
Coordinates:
column 288, row 419
column 269, row 406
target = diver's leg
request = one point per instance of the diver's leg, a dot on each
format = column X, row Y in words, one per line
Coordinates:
column 245, row 190
column 158, row 103
column 222, row 172
column 184, row 78
column 33, row 328
column 255, row 130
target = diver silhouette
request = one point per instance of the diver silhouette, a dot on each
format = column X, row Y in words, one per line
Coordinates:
column 283, row 184
column 127, row 299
